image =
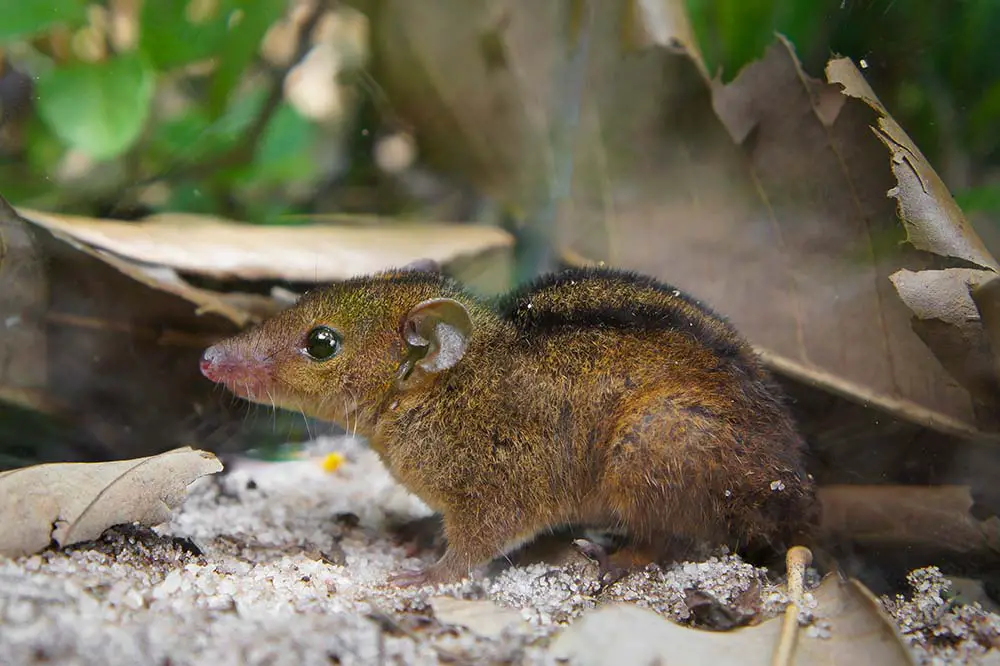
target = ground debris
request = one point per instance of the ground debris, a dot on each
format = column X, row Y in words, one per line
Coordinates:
column 285, row 563
column 941, row 630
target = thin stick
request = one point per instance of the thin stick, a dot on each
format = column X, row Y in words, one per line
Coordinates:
column 797, row 559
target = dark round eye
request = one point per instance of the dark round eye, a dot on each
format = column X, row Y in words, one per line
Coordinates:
column 322, row 343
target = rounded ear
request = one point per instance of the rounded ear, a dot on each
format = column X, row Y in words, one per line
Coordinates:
column 436, row 333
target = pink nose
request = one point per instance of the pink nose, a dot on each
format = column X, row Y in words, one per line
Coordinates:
column 210, row 362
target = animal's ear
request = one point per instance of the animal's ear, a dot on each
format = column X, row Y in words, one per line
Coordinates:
column 422, row 266
column 436, row 333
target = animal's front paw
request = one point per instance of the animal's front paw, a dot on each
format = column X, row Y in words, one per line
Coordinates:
column 436, row 574
column 608, row 571
column 411, row 578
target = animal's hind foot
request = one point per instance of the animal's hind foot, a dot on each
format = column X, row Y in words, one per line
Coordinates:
column 612, row 567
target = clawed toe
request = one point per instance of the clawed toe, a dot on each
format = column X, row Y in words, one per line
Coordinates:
column 611, row 575
column 607, row 572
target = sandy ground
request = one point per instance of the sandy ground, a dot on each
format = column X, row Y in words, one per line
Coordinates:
column 285, row 563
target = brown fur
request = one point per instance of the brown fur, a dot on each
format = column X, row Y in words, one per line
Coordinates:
column 590, row 397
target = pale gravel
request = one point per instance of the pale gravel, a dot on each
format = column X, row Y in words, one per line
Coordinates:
column 282, row 581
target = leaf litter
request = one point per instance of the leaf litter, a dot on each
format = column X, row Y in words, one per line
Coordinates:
column 286, row 563
column 73, row 502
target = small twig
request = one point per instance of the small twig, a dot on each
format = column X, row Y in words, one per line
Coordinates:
column 797, row 559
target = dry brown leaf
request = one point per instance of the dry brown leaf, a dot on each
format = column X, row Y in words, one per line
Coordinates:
column 766, row 196
column 224, row 249
column 923, row 519
column 241, row 309
column 73, row 502
column 859, row 633
column 23, row 288
column 933, row 221
column 948, row 320
column 482, row 616
column 986, row 296
column 945, row 316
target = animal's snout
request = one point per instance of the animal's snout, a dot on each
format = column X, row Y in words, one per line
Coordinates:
column 211, row 362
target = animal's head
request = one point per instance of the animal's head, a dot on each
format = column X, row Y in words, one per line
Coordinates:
column 336, row 353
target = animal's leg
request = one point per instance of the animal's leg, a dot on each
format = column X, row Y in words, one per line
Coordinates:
column 472, row 541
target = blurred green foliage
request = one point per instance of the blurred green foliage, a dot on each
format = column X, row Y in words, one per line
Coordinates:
column 228, row 147
column 100, row 107
column 26, row 19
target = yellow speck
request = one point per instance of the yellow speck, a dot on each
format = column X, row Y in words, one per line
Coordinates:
column 331, row 462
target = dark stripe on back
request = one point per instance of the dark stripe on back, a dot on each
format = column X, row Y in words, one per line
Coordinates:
column 560, row 301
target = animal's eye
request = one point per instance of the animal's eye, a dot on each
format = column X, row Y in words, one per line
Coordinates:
column 322, row 343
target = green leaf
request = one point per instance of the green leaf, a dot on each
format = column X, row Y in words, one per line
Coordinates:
column 985, row 198
column 247, row 27
column 23, row 19
column 284, row 151
column 982, row 121
column 43, row 150
column 734, row 33
column 170, row 38
column 98, row 108
column 193, row 137
column 192, row 198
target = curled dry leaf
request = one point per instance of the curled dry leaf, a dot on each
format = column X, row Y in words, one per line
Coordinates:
column 239, row 308
column 855, row 630
column 105, row 351
column 933, row 221
column 948, row 320
column 73, row 502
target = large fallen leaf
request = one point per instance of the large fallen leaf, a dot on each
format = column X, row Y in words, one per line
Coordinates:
column 223, row 249
column 72, row 502
column 767, row 197
column 945, row 316
column 240, row 308
column 859, row 632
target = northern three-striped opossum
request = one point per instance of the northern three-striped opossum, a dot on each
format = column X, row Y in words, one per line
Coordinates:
column 590, row 397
